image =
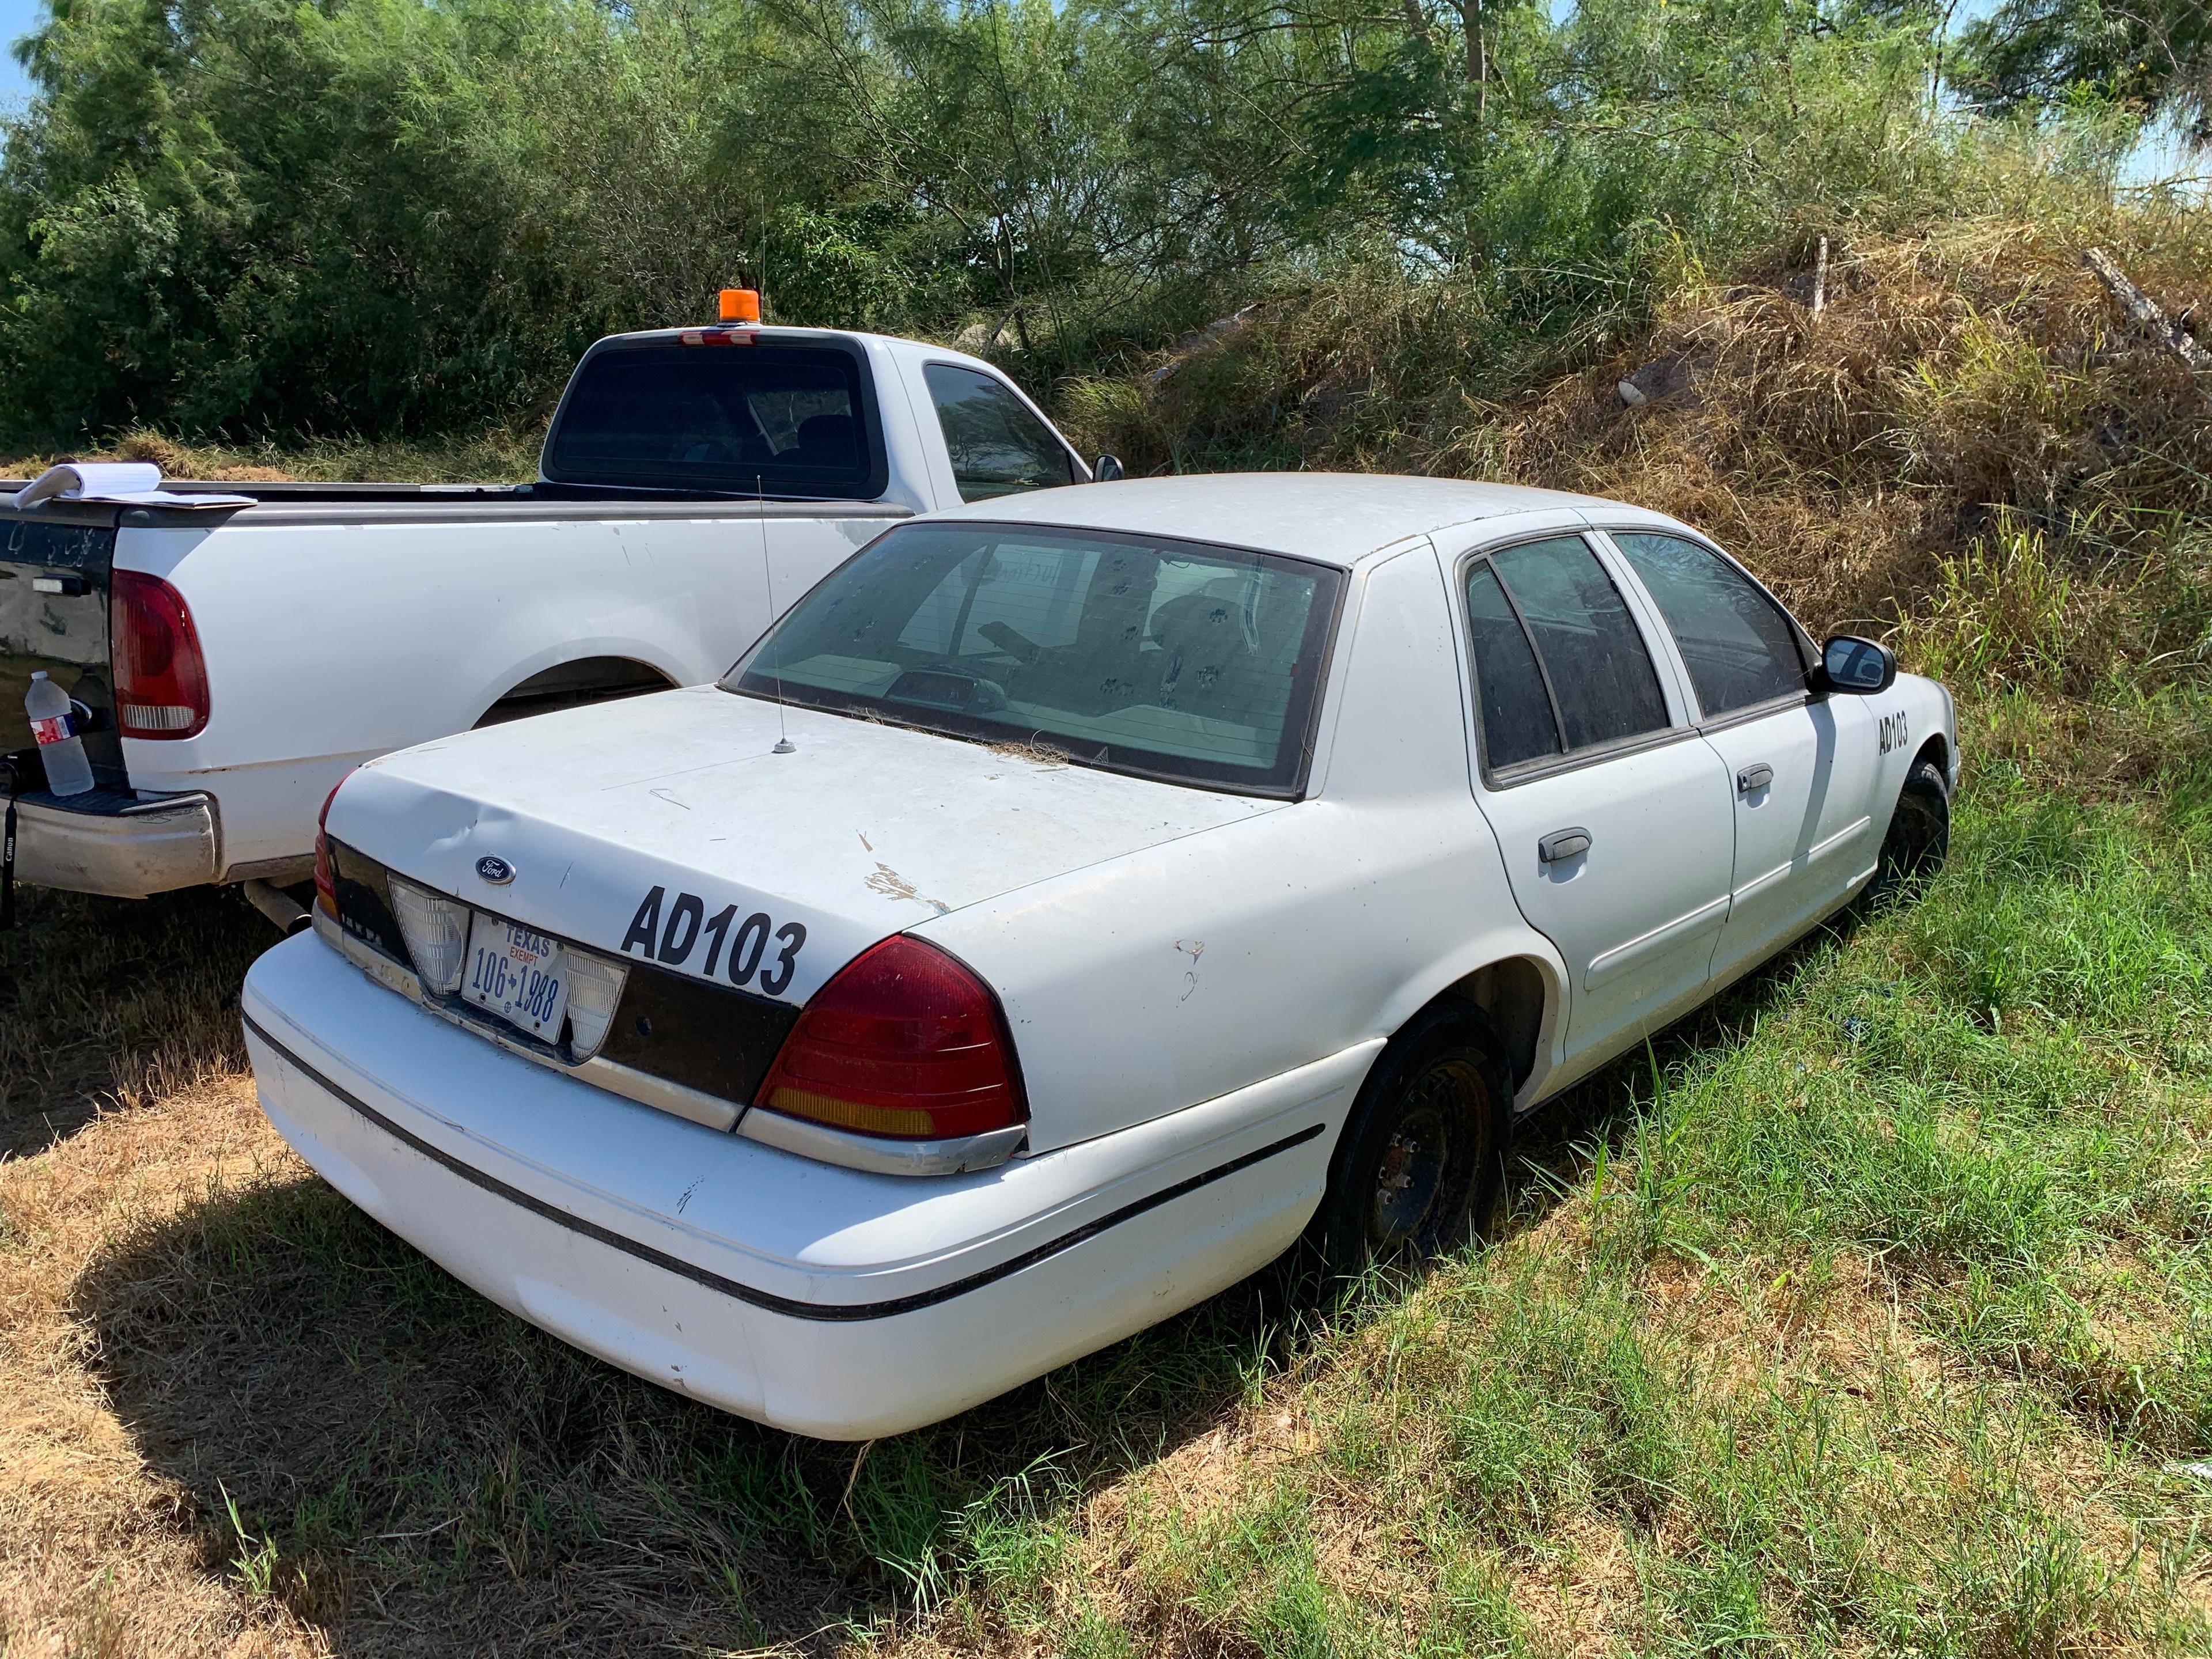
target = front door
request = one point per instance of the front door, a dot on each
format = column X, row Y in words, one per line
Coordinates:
column 1799, row 768
column 1613, row 817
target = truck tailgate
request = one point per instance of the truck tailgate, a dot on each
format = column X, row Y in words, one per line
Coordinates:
column 54, row 573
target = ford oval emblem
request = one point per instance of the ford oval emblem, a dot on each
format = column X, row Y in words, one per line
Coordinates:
column 495, row 869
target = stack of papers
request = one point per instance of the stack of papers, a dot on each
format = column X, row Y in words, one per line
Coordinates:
column 131, row 484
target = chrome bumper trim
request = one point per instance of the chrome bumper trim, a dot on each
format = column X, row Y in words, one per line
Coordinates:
column 131, row 850
column 899, row 1157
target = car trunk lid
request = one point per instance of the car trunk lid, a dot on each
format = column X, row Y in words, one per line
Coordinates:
column 668, row 828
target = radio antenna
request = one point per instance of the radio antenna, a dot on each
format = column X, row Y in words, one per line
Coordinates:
column 784, row 745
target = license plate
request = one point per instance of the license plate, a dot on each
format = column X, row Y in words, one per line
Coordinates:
column 520, row 975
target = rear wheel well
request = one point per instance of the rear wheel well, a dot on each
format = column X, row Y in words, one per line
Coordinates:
column 572, row 684
column 1512, row 992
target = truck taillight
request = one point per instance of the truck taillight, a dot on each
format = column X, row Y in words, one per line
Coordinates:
column 326, row 880
column 904, row 1042
column 160, row 679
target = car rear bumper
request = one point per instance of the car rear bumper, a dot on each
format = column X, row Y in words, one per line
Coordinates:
column 831, row 1302
column 111, row 841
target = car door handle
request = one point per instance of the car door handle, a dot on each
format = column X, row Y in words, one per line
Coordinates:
column 1753, row 777
column 1563, row 844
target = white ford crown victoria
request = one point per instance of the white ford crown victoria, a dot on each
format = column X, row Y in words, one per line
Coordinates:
column 1071, row 901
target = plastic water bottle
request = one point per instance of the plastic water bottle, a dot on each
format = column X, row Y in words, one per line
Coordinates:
column 61, row 752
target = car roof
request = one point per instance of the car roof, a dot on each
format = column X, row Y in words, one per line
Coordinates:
column 1337, row 518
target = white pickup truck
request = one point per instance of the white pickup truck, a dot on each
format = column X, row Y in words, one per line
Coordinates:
column 231, row 664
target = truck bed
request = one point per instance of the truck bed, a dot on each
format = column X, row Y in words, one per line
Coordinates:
column 321, row 503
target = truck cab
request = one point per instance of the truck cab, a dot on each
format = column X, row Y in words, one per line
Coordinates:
column 231, row 662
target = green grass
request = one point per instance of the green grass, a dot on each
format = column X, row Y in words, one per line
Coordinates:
column 1872, row 1311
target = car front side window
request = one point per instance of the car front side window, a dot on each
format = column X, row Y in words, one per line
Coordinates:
column 1739, row 650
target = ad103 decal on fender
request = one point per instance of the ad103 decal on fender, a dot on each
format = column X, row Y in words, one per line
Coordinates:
column 759, row 955
column 1893, row 731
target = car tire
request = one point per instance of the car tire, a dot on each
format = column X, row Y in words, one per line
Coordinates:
column 1919, row 836
column 1421, row 1161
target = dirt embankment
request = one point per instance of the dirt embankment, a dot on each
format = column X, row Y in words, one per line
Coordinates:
column 1975, row 374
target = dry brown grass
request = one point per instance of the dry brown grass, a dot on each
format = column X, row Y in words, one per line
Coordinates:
column 492, row 457
column 1950, row 376
column 123, row 1101
column 188, row 1316
column 109, row 1002
column 104, row 1550
column 1972, row 367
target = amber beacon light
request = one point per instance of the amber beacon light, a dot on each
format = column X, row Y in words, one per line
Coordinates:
column 740, row 305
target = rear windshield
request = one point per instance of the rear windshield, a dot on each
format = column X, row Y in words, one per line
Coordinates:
column 1179, row 660
column 779, row 420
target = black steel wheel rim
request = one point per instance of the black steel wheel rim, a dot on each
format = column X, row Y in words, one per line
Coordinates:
column 1418, row 1166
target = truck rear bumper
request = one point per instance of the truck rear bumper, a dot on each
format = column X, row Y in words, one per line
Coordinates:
column 111, row 841
column 828, row 1301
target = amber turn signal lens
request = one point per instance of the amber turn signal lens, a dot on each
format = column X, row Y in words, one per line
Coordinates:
column 906, row 1042
column 740, row 305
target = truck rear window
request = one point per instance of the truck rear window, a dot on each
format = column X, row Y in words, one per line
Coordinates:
column 1179, row 660
column 777, row 419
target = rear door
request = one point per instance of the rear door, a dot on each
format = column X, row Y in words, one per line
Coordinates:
column 1613, row 818
column 1800, row 769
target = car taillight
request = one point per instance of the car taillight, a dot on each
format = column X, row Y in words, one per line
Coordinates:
column 326, row 880
column 905, row 1042
column 160, row 679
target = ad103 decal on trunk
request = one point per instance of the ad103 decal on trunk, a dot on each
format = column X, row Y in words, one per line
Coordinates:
column 688, row 919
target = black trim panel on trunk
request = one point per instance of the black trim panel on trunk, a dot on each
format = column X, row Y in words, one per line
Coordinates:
column 716, row 1039
column 829, row 1312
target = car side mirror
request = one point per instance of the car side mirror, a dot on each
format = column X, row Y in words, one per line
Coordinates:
column 1863, row 668
column 1107, row 468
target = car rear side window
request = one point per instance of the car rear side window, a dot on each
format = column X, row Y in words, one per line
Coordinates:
column 1517, row 711
column 998, row 447
column 1603, row 688
column 1739, row 650
column 782, row 420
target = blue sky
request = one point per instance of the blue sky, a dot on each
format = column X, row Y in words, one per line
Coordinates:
column 17, row 17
